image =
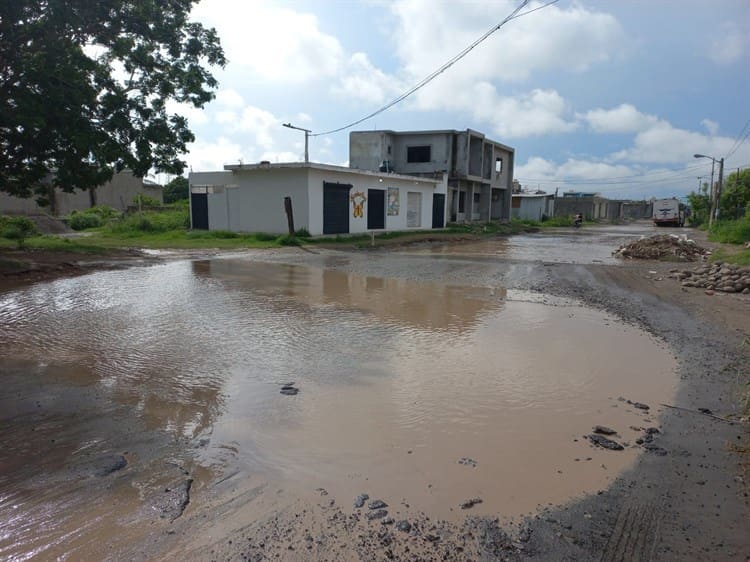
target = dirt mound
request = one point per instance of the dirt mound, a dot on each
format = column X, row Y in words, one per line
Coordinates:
column 667, row 247
column 49, row 225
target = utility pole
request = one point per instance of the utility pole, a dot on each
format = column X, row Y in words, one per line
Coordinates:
column 718, row 188
column 307, row 135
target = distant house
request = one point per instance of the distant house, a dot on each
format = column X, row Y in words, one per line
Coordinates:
column 117, row 193
column 533, row 206
column 479, row 170
column 325, row 199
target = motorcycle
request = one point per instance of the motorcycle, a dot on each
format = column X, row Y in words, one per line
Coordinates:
column 578, row 221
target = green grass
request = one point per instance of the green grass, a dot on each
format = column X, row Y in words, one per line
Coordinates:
column 741, row 257
column 731, row 232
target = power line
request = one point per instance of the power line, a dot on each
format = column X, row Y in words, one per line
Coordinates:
column 513, row 15
column 739, row 141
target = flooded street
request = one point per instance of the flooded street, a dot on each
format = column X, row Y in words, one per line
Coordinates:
column 163, row 396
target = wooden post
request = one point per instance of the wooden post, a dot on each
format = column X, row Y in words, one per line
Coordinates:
column 289, row 214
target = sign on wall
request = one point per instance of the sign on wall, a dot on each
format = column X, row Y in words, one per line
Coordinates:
column 358, row 201
column 393, row 201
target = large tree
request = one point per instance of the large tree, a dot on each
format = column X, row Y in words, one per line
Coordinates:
column 735, row 196
column 84, row 86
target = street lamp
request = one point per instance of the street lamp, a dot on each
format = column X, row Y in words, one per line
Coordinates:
column 307, row 134
column 715, row 195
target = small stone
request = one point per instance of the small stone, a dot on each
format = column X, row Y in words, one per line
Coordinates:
column 290, row 391
column 388, row 521
column 403, row 526
column 605, row 443
column 641, row 406
column 360, row 500
column 379, row 514
column 377, row 504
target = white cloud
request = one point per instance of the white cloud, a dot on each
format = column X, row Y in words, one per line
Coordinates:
column 430, row 33
column 275, row 44
column 623, row 119
column 229, row 98
column 730, row 44
column 532, row 113
column 261, row 124
column 363, row 81
column 194, row 115
column 211, row 156
column 711, row 126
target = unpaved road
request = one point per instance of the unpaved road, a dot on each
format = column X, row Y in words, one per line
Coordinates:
column 115, row 470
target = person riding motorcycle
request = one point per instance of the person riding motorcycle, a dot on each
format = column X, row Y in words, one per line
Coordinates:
column 578, row 220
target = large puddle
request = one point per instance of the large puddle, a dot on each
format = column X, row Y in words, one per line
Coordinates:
column 398, row 380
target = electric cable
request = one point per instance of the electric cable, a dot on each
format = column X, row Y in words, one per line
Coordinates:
column 429, row 78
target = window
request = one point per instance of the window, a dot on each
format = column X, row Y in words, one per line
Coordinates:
column 498, row 165
column 476, row 197
column 416, row 154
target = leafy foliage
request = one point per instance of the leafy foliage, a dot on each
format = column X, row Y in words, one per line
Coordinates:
column 83, row 221
column 146, row 201
column 735, row 195
column 700, row 206
column 18, row 229
column 84, row 87
column 732, row 231
column 176, row 190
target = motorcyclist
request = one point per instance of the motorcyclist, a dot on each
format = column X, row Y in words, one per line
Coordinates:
column 578, row 219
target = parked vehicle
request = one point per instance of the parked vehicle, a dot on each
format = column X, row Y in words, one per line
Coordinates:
column 669, row 212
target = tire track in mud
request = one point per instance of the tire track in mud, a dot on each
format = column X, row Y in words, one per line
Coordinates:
column 635, row 534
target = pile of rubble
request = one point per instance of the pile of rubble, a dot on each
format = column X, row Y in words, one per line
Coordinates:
column 725, row 277
column 662, row 247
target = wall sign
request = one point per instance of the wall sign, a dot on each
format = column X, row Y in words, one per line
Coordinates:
column 393, row 201
column 358, row 201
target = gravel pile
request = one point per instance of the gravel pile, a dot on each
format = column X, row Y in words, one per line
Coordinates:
column 725, row 277
column 662, row 247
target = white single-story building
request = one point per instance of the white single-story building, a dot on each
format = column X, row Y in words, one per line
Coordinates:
column 325, row 199
column 532, row 206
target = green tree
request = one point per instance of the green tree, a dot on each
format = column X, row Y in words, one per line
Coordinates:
column 84, row 86
column 700, row 206
column 735, row 195
column 176, row 189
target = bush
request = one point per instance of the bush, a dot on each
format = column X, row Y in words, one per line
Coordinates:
column 302, row 233
column 146, row 201
column 288, row 240
column 82, row 221
column 152, row 221
column 18, row 229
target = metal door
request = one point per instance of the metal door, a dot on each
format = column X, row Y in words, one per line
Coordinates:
column 438, row 210
column 199, row 206
column 335, row 208
column 375, row 209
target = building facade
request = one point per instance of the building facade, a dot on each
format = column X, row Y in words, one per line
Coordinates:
column 325, row 199
column 479, row 170
column 533, row 206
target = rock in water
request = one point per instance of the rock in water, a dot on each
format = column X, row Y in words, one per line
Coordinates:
column 604, row 442
column 603, row 430
column 360, row 500
column 377, row 504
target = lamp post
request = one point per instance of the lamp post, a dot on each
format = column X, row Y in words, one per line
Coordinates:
column 307, row 134
column 715, row 195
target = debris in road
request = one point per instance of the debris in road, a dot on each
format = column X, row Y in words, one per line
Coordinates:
column 468, row 462
column 289, row 389
column 468, row 504
column 662, row 247
column 724, row 277
column 641, row 406
column 604, row 442
column 403, row 526
column 378, row 514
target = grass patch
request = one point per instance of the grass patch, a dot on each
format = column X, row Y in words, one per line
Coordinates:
column 739, row 257
column 731, row 232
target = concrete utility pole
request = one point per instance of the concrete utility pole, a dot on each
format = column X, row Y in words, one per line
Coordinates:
column 307, row 135
column 715, row 193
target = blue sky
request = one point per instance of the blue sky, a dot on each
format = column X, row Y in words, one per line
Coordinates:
column 609, row 96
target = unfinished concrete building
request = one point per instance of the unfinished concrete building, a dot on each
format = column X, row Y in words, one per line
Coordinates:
column 480, row 170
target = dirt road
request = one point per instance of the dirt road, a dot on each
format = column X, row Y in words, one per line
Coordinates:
column 131, row 471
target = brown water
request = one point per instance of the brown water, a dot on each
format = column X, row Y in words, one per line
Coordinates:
column 398, row 381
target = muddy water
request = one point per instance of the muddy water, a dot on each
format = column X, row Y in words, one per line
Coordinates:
column 398, row 381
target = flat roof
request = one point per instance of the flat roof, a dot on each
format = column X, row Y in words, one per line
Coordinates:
column 533, row 195
column 441, row 132
column 326, row 168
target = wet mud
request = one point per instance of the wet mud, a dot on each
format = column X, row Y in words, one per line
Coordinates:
column 243, row 407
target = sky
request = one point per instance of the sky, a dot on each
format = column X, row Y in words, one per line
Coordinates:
column 607, row 96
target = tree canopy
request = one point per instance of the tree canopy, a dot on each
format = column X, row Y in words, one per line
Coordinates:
column 735, row 195
column 84, row 86
column 176, row 189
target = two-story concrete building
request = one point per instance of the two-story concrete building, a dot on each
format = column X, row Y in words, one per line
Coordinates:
column 479, row 170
